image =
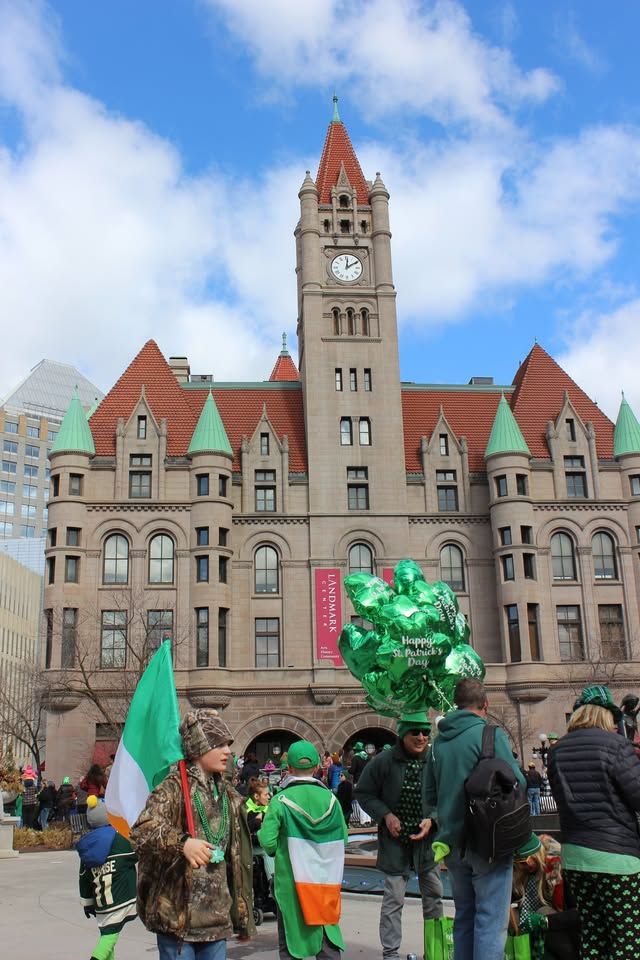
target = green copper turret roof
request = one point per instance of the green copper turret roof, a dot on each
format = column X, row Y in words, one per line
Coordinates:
column 74, row 435
column 336, row 115
column 506, row 436
column 626, row 436
column 92, row 409
column 209, row 435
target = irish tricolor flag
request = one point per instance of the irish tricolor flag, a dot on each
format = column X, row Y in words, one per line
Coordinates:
column 316, row 852
column 150, row 742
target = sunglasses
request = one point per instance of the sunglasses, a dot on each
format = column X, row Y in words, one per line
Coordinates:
column 418, row 731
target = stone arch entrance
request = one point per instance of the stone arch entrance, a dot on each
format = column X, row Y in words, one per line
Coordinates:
column 263, row 729
column 368, row 727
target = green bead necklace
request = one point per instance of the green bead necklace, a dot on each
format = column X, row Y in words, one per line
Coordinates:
column 217, row 839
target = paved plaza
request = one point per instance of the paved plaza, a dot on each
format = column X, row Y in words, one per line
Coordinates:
column 41, row 918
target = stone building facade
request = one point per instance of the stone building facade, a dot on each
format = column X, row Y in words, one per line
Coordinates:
column 226, row 515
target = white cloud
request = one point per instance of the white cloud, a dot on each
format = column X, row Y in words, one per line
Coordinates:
column 387, row 56
column 603, row 356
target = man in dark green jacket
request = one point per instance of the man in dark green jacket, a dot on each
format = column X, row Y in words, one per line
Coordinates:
column 481, row 890
column 392, row 789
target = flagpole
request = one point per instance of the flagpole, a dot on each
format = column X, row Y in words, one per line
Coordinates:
column 184, row 780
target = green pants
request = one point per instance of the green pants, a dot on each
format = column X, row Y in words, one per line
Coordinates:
column 105, row 949
column 609, row 914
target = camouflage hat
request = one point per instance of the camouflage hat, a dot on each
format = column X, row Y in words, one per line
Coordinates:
column 203, row 730
column 598, row 696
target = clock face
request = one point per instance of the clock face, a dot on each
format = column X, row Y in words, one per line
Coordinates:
column 346, row 267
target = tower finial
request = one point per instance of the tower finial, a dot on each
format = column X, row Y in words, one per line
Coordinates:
column 336, row 115
column 284, row 351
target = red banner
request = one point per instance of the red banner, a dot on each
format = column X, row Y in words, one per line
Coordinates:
column 387, row 575
column 328, row 614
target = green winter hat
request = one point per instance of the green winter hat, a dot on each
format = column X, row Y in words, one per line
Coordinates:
column 66, row 780
column 302, row 755
column 358, row 745
column 598, row 696
column 412, row 721
column 528, row 848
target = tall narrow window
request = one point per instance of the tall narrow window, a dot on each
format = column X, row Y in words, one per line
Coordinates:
column 513, row 632
column 635, row 485
column 202, row 536
column 161, row 555
column 353, row 379
column 447, row 490
column 367, row 382
column 223, row 619
column 202, row 484
column 612, row 631
column 139, row 476
column 267, row 642
column 604, row 557
column 444, row 445
column 562, row 557
column 113, row 640
column 351, row 322
column 570, row 425
column 534, row 631
column 360, row 558
column 69, row 632
column 526, row 534
column 75, row 484
column 266, row 570
column 202, row 569
column 357, row 488
column 336, row 321
column 71, row 569
column 522, row 485
column 223, row 483
column 265, row 491
column 116, row 559
column 48, row 618
column 339, row 379
column 505, row 536
column 223, row 536
column 364, row 322
column 570, row 632
column 452, row 566
column 264, row 444
column 575, row 476
column 223, row 569
column 528, row 566
column 346, row 432
column 501, row 486
column 365, row 431
column 508, row 572
column 202, row 636
column 142, row 428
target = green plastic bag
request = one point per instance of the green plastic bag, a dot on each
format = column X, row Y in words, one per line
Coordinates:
column 438, row 939
column 518, row 948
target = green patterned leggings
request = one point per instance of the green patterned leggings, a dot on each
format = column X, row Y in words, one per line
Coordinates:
column 105, row 949
column 609, row 908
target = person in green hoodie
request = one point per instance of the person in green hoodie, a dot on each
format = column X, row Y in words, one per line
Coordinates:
column 305, row 829
column 481, row 890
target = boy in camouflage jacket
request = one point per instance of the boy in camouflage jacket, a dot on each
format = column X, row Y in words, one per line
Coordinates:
column 194, row 892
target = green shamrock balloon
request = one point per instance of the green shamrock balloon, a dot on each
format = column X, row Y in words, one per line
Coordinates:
column 416, row 650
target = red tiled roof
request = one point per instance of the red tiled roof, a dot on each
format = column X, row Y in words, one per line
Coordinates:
column 338, row 150
column 469, row 413
column 239, row 407
column 241, row 410
column 284, row 369
column 163, row 394
column 540, row 384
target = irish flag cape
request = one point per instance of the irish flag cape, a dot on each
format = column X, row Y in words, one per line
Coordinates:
column 316, row 853
column 150, row 742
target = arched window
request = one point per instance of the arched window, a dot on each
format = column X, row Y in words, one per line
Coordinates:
column 351, row 322
column 161, row 558
column 364, row 322
column 452, row 566
column 336, row 321
column 116, row 559
column 604, row 557
column 563, row 557
column 266, row 570
column 344, row 201
column 360, row 558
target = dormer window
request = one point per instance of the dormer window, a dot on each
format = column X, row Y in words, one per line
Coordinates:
column 344, row 201
column 345, row 226
column 264, row 444
column 142, row 428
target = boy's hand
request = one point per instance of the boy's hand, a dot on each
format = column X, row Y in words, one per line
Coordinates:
column 197, row 852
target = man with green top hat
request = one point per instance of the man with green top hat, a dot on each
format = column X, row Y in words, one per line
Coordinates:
column 305, row 830
column 392, row 789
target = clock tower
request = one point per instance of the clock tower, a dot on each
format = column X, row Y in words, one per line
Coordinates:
column 348, row 340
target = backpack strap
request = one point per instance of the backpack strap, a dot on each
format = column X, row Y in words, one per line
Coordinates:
column 488, row 742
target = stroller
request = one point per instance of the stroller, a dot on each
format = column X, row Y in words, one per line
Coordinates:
column 263, row 898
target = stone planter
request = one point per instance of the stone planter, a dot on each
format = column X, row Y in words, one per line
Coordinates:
column 8, row 796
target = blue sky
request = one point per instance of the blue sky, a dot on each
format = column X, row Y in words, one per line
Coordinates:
column 151, row 153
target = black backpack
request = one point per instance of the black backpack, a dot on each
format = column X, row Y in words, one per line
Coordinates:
column 497, row 818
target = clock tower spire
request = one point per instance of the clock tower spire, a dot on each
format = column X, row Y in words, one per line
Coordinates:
column 347, row 334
